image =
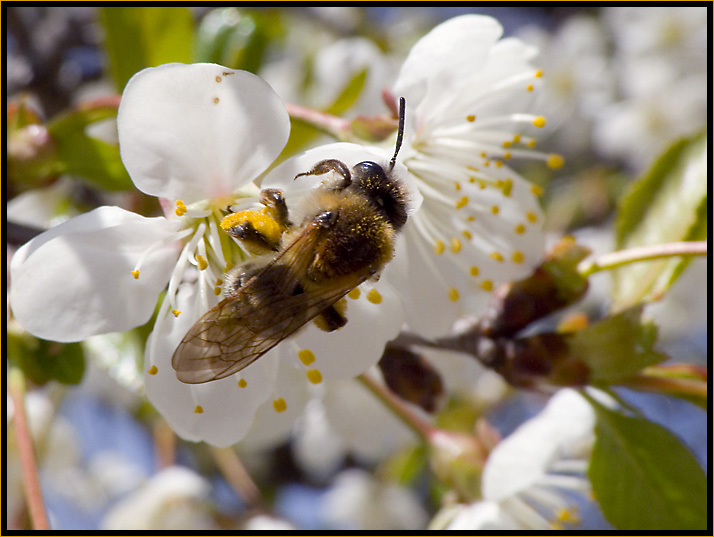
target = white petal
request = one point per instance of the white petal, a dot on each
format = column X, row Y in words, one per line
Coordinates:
column 373, row 319
column 439, row 57
column 199, row 131
column 525, row 456
column 75, row 280
column 485, row 515
column 219, row 412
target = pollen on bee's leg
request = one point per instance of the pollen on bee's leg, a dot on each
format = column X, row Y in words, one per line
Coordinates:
column 280, row 405
column 314, row 376
column 153, row 370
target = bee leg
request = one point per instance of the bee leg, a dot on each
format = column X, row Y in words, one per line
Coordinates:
column 273, row 199
column 329, row 165
column 246, row 232
column 238, row 276
column 331, row 318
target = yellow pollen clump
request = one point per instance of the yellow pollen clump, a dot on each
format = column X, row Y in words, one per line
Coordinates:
column 280, row 405
column 487, row 285
column 135, row 273
column 153, row 370
column 496, row 256
column 242, row 383
column 467, row 234
column 180, row 208
column 306, row 356
column 529, row 87
column 462, row 202
column 474, row 271
column 532, row 217
column 354, row 294
column 198, row 409
column 539, row 122
column 202, row 263
column 453, row 294
column 520, row 229
column 537, row 190
column 176, row 312
column 506, row 144
column 438, row 247
column 517, row 257
column 507, row 187
column 471, row 118
column 314, row 376
column 555, row 161
column 495, row 209
column 374, row 297
column 455, row 245
column 539, row 73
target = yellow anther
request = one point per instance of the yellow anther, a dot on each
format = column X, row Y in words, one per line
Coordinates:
column 219, row 281
column 457, row 186
column 280, row 405
column 487, row 285
column 438, row 247
column 529, row 87
column 466, row 233
column 531, row 143
column 471, row 118
column 215, row 100
column 314, row 376
column 354, row 294
column 495, row 209
column 506, row 144
column 462, row 202
column 229, row 266
column 455, row 245
column 176, row 312
column 374, row 297
column 537, row 190
column 486, row 163
column 507, row 187
column 499, row 163
column 180, row 208
column 496, row 256
column 453, row 294
column 539, row 73
column 198, row 409
column 483, row 154
column 516, row 138
column 242, row 383
column 306, row 356
column 135, row 273
column 555, row 161
column 507, row 155
column 470, row 218
column 474, row 271
column 532, row 217
column 520, row 229
column 153, row 370
column 202, row 263
column 517, row 257
column 217, row 290
column 539, row 122
column 472, row 179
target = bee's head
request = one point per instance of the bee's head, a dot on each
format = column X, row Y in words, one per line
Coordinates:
column 383, row 190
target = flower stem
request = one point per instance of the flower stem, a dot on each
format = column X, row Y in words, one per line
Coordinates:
column 31, row 480
column 336, row 126
column 672, row 385
column 642, row 253
column 416, row 423
column 236, row 474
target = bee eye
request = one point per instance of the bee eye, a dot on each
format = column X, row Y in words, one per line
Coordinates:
column 368, row 168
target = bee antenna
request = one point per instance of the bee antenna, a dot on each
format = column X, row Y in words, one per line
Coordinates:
column 400, row 132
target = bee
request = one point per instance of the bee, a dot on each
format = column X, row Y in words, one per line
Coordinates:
column 312, row 266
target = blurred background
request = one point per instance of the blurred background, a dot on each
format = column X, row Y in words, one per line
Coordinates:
column 621, row 84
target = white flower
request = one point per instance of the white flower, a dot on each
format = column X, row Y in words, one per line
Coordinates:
column 479, row 224
column 198, row 135
column 174, row 499
column 526, row 475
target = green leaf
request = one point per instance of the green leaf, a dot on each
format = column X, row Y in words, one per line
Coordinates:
column 42, row 361
column 137, row 37
column 644, row 477
column 349, row 94
column 79, row 154
column 668, row 204
column 617, row 347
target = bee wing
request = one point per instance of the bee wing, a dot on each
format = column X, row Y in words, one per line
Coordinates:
column 240, row 329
